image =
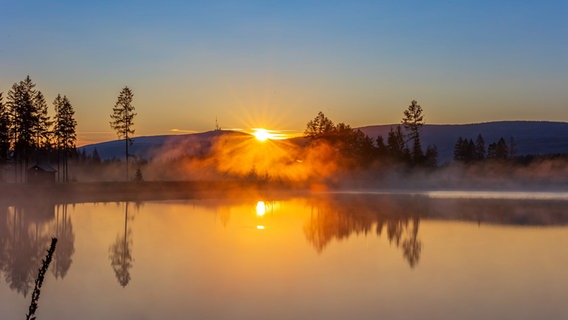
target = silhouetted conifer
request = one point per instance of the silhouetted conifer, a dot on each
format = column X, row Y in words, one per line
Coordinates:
column 122, row 120
column 4, row 130
column 431, row 156
column 319, row 127
column 96, row 157
column 479, row 148
column 458, row 150
column 498, row 150
column 413, row 120
column 382, row 150
column 43, row 131
column 396, row 146
column 64, row 131
column 512, row 148
column 22, row 102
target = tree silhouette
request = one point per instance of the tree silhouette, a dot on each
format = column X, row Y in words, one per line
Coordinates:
column 65, row 134
column 319, row 127
column 43, row 131
column 122, row 120
column 24, row 245
column 512, row 148
column 396, row 147
column 382, row 150
column 464, row 150
column 96, row 157
column 498, row 150
column 413, row 120
column 479, row 148
column 4, row 130
column 120, row 253
column 431, row 156
column 25, row 115
column 352, row 146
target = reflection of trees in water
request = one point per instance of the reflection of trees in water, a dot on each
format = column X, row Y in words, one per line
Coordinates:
column 65, row 245
column 343, row 215
column 25, row 232
column 25, row 236
column 120, row 253
column 224, row 215
column 412, row 246
column 21, row 252
column 3, row 238
column 337, row 219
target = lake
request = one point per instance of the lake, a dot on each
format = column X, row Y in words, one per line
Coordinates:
column 343, row 255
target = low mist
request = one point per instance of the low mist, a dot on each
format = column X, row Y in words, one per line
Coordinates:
column 241, row 156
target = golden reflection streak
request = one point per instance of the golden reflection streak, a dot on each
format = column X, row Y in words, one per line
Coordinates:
column 260, row 208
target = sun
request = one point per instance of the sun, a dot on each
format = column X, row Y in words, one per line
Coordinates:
column 261, row 134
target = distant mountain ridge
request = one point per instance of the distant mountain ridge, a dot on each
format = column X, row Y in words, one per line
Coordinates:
column 531, row 137
column 149, row 147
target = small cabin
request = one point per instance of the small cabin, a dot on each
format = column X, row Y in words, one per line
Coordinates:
column 41, row 174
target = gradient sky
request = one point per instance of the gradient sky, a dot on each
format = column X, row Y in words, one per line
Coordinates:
column 277, row 63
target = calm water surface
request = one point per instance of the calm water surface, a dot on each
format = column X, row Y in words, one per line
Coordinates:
column 326, row 256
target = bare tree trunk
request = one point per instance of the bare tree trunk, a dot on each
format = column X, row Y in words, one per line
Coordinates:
column 127, row 177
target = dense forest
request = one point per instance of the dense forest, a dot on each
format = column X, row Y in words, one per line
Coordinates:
column 28, row 135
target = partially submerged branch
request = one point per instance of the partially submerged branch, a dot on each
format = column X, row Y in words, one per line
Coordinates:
column 39, row 280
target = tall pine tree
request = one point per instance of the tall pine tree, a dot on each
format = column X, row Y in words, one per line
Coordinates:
column 64, row 131
column 122, row 116
column 25, row 125
column 320, row 127
column 413, row 120
column 4, row 130
column 43, row 140
column 479, row 148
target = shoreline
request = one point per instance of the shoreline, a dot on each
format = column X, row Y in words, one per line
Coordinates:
column 108, row 191
column 111, row 191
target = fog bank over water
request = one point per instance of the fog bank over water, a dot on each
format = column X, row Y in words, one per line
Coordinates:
column 542, row 175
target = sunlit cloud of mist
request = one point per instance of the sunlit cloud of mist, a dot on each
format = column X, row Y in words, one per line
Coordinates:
column 241, row 155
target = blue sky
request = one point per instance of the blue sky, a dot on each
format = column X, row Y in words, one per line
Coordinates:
column 277, row 63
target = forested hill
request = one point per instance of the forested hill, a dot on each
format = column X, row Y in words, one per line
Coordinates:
column 531, row 137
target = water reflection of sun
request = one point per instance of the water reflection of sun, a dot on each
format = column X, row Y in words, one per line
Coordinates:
column 260, row 208
column 260, row 212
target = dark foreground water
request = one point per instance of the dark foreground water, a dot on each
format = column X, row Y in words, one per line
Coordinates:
column 323, row 256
